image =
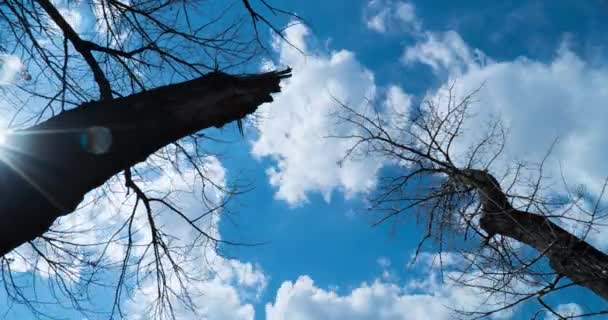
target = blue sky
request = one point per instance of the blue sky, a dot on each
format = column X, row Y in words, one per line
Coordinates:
column 546, row 73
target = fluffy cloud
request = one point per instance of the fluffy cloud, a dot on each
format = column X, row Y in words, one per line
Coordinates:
column 385, row 15
column 426, row 297
column 10, row 67
column 383, row 301
column 222, row 295
column 218, row 287
column 538, row 102
column 398, row 101
column 445, row 51
column 226, row 286
column 295, row 130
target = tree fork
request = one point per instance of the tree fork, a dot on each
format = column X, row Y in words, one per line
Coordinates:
column 46, row 170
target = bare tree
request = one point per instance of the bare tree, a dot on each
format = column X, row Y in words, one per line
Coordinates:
column 504, row 227
column 89, row 105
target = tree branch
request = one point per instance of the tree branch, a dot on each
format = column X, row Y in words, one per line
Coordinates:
column 83, row 47
column 47, row 169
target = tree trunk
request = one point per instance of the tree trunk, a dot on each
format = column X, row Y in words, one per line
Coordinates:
column 568, row 255
column 47, row 169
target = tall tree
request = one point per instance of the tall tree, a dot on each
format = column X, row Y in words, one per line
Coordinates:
column 89, row 103
column 504, row 227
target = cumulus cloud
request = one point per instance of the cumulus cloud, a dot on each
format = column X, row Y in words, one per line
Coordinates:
column 228, row 286
column 538, row 102
column 294, row 130
column 387, row 15
column 225, row 294
column 382, row 301
column 218, row 287
column 426, row 297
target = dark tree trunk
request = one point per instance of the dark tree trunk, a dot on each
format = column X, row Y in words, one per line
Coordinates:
column 47, row 169
column 568, row 255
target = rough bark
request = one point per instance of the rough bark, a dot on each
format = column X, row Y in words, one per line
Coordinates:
column 568, row 255
column 46, row 170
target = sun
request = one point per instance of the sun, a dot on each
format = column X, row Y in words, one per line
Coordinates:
column 3, row 134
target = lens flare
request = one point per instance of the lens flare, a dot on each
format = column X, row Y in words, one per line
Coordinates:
column 96, row 140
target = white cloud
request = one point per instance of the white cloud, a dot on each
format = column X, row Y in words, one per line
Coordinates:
column 384, row 262
column 219, row 288
column 565, row 310
column 73, row 17
column 405, row 12
column 377, row 23
column 303, row 300
column 425, row 297
column 224, row 294
column 385, row 15
column 438, row 260
column 70, row 12
column 294, row 129
column 226, row 286
column 445, row 51
column 538, row 102
column 107, row 17
column 10, row 67
column 398, row 104
column 388, row 273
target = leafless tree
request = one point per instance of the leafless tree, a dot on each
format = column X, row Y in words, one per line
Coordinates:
column 88, row 107
column 503, row 225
